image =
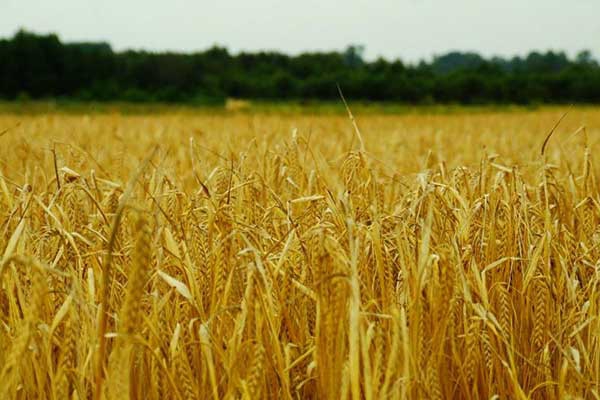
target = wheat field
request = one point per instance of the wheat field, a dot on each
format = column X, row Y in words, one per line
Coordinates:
column 262, row 255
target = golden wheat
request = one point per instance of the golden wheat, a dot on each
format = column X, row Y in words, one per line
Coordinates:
column 239, row 255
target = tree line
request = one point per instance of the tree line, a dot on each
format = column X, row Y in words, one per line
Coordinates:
column 34, row 66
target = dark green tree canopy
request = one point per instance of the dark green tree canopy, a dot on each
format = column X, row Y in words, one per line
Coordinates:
column 41, row 66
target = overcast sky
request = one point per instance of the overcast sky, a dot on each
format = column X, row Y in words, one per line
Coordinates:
column 408, row 29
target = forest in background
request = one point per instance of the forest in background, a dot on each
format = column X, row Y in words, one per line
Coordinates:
column 35, row 66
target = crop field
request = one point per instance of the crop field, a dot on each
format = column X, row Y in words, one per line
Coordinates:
column 251, row 255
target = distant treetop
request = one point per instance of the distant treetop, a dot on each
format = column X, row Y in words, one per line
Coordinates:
column 41, row 66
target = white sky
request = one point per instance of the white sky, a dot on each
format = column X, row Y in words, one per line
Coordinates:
column 409, row 29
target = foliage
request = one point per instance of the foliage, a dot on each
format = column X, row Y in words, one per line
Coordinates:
column 40, row 66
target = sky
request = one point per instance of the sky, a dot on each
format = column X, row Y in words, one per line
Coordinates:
column 408, row 29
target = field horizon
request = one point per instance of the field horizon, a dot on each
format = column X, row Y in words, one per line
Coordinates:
column 244, row 106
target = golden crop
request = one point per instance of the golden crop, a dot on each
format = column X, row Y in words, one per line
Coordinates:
column 240, row 255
